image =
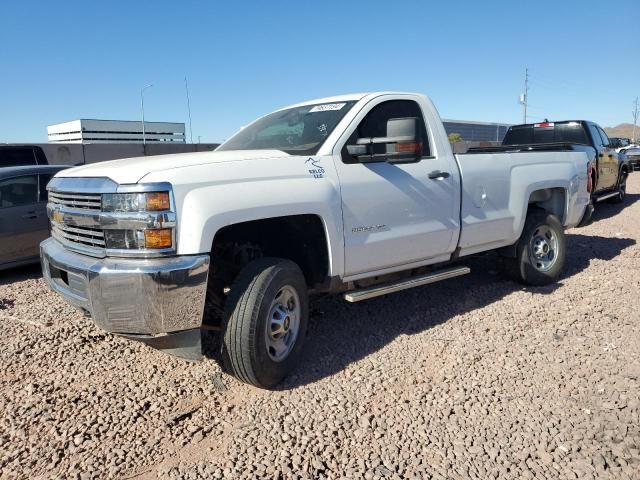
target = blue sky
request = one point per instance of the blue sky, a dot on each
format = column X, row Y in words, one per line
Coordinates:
column 69, row 59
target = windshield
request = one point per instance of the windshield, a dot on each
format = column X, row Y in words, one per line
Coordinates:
column 298, row 130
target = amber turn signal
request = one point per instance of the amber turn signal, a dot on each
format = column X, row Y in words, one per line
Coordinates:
column 157, row 201
column 158, row 238
column 408, row 147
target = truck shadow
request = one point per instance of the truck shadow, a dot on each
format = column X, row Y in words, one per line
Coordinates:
column 16, row 274
column 342, row 333
column 606, row 210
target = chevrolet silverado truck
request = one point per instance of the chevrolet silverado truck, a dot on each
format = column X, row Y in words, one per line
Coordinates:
column 358, row 195
column 610, row 169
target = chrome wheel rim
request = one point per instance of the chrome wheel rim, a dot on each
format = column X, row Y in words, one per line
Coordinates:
column 283, row 323
column 543, row 248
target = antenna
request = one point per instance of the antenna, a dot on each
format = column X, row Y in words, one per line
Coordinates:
column 186, row 87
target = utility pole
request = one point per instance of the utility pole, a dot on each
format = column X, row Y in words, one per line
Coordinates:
column 635, row 113
column 525, row 95
column 144, row 139
column 186, row 87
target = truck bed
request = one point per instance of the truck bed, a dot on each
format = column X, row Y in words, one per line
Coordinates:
column 497, row 185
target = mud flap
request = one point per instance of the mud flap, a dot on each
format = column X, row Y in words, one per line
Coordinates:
column 186, row 344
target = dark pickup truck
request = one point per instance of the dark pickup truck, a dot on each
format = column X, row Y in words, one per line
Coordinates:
column 21, row 155
column 609, row 175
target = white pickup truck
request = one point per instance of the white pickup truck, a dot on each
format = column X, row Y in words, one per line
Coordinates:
column 356, row 194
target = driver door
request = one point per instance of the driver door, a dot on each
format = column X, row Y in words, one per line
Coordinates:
column 396, row 214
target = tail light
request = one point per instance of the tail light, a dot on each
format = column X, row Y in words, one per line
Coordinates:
column 590, row 178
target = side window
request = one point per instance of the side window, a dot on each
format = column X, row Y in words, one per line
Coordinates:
column 374, row 124
column 43, row 180
column 15, row 157
column 605, row 137
column 597, row 140
column 18, row 191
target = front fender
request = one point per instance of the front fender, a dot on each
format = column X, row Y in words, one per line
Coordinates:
column 211, row 197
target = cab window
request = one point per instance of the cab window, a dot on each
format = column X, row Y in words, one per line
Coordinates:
column 16, row 157
column 375, row 125
column 597, row 139
column 605, row 137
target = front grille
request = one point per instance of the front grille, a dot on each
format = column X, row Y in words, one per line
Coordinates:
column 83, row 201
column 74, row 220
column 92, row 237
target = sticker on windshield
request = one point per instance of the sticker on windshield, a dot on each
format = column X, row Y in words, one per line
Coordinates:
column 327, row 107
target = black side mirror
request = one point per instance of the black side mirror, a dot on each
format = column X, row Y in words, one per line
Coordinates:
column 402, row 143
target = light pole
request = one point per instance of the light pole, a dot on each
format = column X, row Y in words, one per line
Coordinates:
column 635, row 113
column 144, row 140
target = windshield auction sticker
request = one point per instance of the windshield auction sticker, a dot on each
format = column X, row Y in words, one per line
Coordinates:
column 327, row 107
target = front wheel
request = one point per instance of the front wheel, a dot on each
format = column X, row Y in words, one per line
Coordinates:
column 540, row 251
column 265, row 321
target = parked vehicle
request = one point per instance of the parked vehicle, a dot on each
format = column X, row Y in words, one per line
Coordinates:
column 610, row 172
column 632, row 155
column 358, row 194
column 619, row 142
column 19, row 155
column 23, row 214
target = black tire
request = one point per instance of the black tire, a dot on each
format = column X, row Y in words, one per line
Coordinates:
column 249, row 312
column 526, row 267
column 622, row 189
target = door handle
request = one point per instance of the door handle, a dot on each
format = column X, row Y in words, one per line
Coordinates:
column 438, row 175
column 30, row 215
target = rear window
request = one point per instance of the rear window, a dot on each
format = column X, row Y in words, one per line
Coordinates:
column 559, row 132
column 15, row 157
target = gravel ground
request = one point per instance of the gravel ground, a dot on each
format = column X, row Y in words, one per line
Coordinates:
column 475, row 377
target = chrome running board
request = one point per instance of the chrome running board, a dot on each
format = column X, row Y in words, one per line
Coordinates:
column 606, row 195
column 392, row 287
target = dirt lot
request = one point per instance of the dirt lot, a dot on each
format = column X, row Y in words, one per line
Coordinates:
column 475, row 377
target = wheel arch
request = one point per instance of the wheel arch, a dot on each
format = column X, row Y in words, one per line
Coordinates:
column 301, row 238
column 551, row 198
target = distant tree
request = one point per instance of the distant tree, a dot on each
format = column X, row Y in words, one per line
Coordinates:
column 455, row 138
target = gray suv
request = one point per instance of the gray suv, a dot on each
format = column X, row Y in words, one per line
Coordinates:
column 23, row 213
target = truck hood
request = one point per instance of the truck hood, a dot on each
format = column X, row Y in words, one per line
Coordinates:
column 131, row 170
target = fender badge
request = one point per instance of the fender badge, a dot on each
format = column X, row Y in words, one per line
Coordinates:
column 318, row 170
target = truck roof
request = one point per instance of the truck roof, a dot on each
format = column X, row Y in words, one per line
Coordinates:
column 349, row 97
column 521, row 125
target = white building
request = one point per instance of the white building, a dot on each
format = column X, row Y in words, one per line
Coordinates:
column 476, row 131
column 115, row 131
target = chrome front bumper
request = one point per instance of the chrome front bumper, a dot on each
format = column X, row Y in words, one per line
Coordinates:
column 130, row 296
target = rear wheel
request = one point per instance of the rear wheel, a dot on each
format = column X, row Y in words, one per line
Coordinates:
column 540, row 251
column 265, row 321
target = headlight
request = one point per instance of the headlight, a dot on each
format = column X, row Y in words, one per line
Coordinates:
column 150, row 238
column 135, row 202
column 149, row 225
